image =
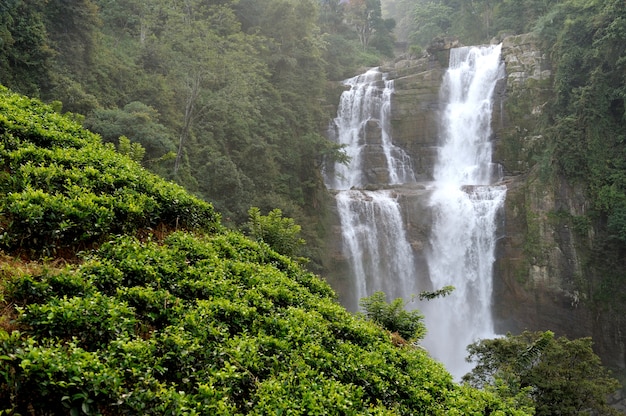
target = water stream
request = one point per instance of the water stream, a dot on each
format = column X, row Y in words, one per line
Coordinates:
column 464, row 202
column 373, row 231
column 465, row 206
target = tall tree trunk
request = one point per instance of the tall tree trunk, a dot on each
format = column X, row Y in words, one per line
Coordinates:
column 193, row 86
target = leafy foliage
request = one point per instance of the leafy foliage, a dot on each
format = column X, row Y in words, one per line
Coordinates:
column 212, row 324
column 25, row 51
column 198, row 321
column 136, row 121
column 62, row 189
column 394, row 317
column 443, row 292
column 560, row 376
column 281, row 234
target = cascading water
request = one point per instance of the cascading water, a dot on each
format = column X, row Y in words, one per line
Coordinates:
column 465, row 206
column 374, row 238
column 362, row 127
column 464, row 203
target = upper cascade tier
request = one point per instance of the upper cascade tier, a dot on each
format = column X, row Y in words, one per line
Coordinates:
column 362, row 127
column 465, row 153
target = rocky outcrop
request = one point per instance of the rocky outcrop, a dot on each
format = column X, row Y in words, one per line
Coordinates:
column 415, row 107
column 541, row 280
column 519, row 103
column 538, row 268
column 414, row 113
column 373, row 155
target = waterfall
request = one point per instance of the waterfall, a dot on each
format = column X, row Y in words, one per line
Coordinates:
column 373, row 231
column 463, row 200
column 375, row 243
column 362, row 127
column 465, row 206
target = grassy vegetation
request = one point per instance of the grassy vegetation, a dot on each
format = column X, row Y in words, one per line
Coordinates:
column 63, row 190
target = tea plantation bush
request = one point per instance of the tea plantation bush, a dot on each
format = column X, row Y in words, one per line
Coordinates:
column 199, row 321
column 61, row 188
column 213, row 324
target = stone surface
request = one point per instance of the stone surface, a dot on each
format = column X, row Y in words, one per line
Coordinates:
column 519, row 102
column 414, row 110
column 540, row 280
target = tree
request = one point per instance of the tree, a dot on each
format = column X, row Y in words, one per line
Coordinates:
column 133, row 150
column 73, row 26
column 394, row 317
column 562, row 377
column 25, row 53
column 215, row 73
column 331, row 16
column 281, row 234
column 137, row 121
column 430, row 19
column 366, row 18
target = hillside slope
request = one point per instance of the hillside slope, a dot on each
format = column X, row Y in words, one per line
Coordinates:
column 122, row 294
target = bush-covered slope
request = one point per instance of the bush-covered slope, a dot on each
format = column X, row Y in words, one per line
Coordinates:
column 192, row 321
column 61, row 188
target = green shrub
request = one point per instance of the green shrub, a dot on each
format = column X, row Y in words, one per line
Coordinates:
column 281, row 234
column 208, row 324
column 93, row 321
column 393, row 316
column 58, row 378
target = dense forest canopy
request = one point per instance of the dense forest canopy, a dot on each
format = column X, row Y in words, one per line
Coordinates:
column 235, row 89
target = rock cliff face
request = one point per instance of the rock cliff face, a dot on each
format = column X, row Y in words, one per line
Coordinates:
column 540, row 277
column 414, row 111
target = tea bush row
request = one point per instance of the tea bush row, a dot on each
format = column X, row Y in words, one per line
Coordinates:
column 61, row 188
column 214, row 324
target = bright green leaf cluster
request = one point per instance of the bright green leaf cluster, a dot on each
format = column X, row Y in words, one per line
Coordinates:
column 207, row 325
column 394, row 317
column 282, row 234
column 556, row 375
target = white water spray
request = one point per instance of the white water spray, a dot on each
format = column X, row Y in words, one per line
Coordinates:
column 375, row 242
column 465, row 206
column 373, row 231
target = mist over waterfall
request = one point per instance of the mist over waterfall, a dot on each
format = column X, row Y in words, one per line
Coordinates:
column 465, row 206
column 373, row 230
